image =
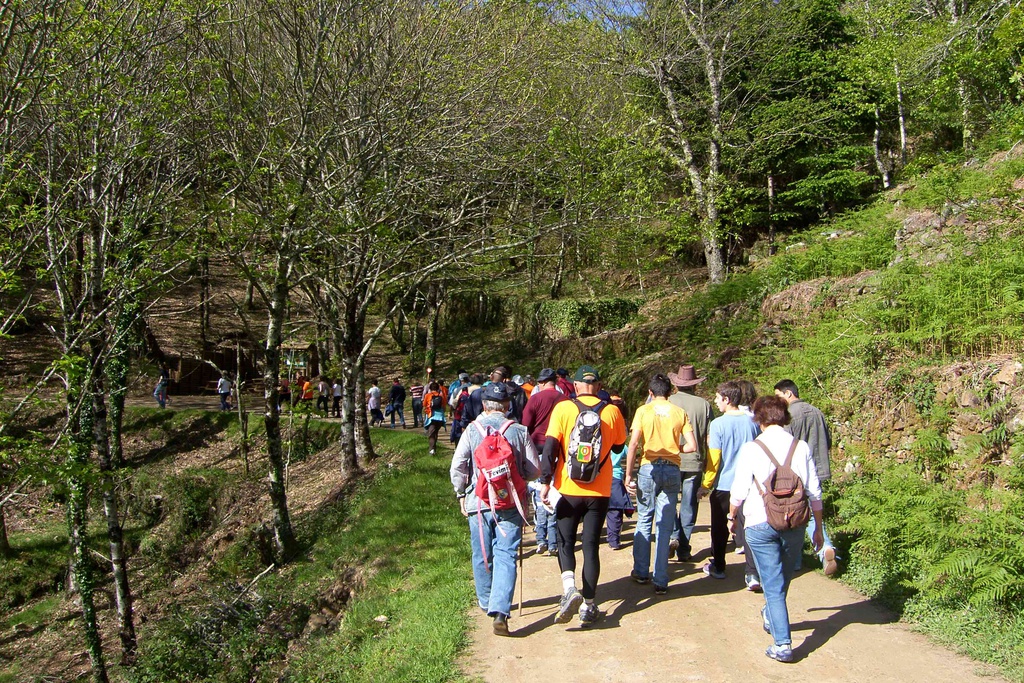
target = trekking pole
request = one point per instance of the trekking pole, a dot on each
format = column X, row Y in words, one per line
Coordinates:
column 520, row 579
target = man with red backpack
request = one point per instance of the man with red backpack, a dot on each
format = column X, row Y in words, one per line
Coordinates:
column 492, row 463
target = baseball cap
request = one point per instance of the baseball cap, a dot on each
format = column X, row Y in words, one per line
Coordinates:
column 546, row 375
column 587, row 374
column 495, row 391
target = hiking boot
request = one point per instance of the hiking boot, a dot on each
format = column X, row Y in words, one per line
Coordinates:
column 542, row 549
column 642, row 580
column 432, row 451
column 780, row 653
column 589, row 614
column 753, row 585
column 828, row 563
column 673, row 545
column 500, row 625
column 740, row 550
column 684, row 557
column 710, row 570
column 568, row 606
column 553, row 551
column 660, row 590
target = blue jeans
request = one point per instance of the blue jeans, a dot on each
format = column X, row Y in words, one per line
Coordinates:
column 417, row 412
column 544, row 523
column 397, row 408
column 687, row 517
column 775, row 554
column 496, row 581
column 656, row 495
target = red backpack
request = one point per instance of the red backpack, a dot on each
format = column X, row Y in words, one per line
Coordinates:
column 498, row 482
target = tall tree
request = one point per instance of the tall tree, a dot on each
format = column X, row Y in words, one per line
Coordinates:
column 694, row 59
column 107, row 163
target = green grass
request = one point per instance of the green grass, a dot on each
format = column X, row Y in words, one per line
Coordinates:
column 399, row 532
column 36, row 566
column 982, row 633
column 406, row 530
column 34, row 614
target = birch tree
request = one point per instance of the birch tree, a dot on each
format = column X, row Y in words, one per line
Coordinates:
column 693, row 59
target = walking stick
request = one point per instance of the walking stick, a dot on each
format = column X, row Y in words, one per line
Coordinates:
column 520, row 578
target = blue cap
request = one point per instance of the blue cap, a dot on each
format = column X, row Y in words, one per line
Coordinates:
column 495, row 391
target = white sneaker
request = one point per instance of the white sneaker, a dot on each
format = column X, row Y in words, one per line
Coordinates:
column 828, row 561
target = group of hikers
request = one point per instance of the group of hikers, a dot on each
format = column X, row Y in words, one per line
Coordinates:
column 565, row 445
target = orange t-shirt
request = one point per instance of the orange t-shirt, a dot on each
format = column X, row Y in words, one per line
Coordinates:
column 613, row 432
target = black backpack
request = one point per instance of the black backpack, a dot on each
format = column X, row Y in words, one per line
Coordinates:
column 436, row 403
column 585, row 443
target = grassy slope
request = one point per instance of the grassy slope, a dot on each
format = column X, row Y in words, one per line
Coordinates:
column 406, row 530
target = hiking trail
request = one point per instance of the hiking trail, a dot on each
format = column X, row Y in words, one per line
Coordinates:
column 703, row 630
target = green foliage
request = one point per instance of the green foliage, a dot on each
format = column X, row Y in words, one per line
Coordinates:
column 36, row 567
column 416, row 575
column 190, row 503
column 912, row 537
column 227, row 641
column 865, row 242
column 192, row 499
column 581, row 317
column 420, row 578
column 982, row 632
column 972, row 303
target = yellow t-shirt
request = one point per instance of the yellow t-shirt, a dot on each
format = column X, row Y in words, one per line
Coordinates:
column 661, row 425
column 613, row 432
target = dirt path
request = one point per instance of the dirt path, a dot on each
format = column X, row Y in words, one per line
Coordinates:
column 704, row 630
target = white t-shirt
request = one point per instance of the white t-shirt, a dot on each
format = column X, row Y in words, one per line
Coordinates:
column 223, row 386
column 337, row 389
column 752, row 463
column 374, row 402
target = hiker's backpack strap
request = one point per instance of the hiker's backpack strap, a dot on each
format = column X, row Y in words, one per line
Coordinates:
column 792, row 450
column 769, row 453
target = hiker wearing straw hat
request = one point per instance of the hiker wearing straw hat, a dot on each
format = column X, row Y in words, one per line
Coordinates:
column 698, row 411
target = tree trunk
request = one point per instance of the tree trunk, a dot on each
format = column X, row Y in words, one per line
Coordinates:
column 349, row 436
column 243, row 414
column 713, row 255
column 772, row 247
column 5, row 544
column 101, row 438
column 965, row 114
column 433, row 307
column 880, row 164
column 557, row 278
column 364, row 446
column 284, row 537
column 902, row 115
column 204, row 301
column 115, row 533
column 117, row 381
column 79, row 447
column 352, row 348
